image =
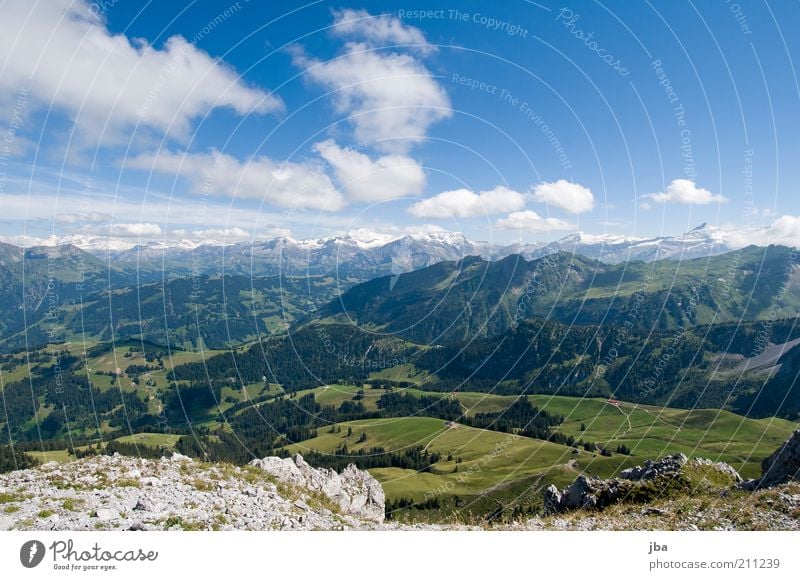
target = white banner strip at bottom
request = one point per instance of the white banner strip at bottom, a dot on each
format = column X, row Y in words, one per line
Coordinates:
column 425, row 554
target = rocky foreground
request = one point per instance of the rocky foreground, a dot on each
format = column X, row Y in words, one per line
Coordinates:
column 673, row 493
column 177, row 493
column 677, row 493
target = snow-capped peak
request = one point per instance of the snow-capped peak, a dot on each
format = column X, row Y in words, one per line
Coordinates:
column 705, row 232
column 703, row 240
column 90, row 242
column 584, row 238
column 365, row 238
column 450, row 238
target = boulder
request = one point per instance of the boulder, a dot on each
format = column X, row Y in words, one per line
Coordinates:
column 284, row 470
column 582, row 493
column 107, row 514
column 722, row 467
column 552, row 500
column 748, row 485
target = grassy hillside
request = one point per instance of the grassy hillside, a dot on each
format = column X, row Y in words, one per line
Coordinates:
column 474, row 463
column 450, row 302
column 648, row 431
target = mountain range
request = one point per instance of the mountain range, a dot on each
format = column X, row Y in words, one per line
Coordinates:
column 451, row 302
column 586, row 277
column 363, row 254
column 716, row 332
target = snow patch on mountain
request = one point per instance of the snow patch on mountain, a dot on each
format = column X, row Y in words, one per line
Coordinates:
column 364, row 252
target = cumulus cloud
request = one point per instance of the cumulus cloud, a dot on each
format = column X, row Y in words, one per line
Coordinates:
column 390, row 97
column 783, row 231
column 181, row 214
column 765, row 212
column 293, row 185
column 531, row 221
column 463, row 203
column 381, row 29
column 67, row 58
column 685, row 191
column 142, row 230
column 274, row 232
column 569, row 196
column 387, row 177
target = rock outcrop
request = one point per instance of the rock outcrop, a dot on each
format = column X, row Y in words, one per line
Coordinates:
column 355, row 491
column 784, row 464
column 720, row 467
column 128, row 493
column 776, row 508
column 652, row 469
column 640, row 483
column 586, row 493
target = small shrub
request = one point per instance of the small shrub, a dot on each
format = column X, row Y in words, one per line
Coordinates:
column 202, row 485
column 69, row 504
column 127, row 482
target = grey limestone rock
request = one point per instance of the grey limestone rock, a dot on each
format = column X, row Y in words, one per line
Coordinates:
column 782, row 465
column 355, row 491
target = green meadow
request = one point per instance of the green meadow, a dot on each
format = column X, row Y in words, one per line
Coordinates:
column 473, row 460
column 492, row 460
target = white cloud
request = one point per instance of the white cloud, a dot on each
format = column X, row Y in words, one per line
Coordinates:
column 278, row 233
column 783, row 231
column 390, row 98
column 293, row 185
column 761, row 212
column 378, row 29
column 18, row 146
column 531, row 221
column 35, row 213
column 106, row 83
column 685, row 191
column 463, row 203
column 388, row 177
column 82, row 218
column 569, row 196
column 145, row 230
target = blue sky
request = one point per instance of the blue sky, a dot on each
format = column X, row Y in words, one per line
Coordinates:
column 521, row 120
